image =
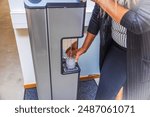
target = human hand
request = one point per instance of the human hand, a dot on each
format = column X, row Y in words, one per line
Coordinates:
column 75, row 53
column 79, row 53
column 71, row 51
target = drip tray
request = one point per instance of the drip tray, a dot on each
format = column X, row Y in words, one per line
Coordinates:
column 66, row 71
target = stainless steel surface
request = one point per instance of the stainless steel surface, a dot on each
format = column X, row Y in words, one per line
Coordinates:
column 37, row 24
column 63, row 23
column 47, row 28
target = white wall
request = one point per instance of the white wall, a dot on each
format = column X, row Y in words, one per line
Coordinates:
column 25, row 56
column 19, row 22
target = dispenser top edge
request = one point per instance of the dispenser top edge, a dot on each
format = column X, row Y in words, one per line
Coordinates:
column 33, row 4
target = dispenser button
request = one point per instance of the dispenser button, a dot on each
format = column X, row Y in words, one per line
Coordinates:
column 35, row 1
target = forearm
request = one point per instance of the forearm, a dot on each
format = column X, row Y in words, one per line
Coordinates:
column 115, row 10
column 88, row 41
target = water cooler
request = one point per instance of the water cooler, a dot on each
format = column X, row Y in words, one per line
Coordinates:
column 50, row 22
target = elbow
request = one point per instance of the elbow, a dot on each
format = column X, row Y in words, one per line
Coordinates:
column 136, row 27
column 135, row 23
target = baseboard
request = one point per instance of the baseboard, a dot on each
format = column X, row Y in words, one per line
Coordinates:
column 29, row 86
column 89, row 77
column 82, row 78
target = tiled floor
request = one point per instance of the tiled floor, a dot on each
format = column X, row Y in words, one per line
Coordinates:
column 11, row 82
column 86, row 91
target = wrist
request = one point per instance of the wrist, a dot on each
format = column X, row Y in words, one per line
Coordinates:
column 83, row 49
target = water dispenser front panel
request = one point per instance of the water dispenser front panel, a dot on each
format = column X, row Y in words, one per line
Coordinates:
column 37, row 23
column 49, row 22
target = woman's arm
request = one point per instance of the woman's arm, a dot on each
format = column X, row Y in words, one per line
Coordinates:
column 88, row 41
column 136, row 20
column 113, row 9
column 93, row 29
